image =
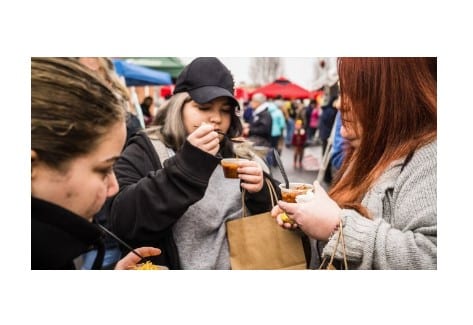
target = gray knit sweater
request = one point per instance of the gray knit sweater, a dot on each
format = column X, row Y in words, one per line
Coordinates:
column 403, row 231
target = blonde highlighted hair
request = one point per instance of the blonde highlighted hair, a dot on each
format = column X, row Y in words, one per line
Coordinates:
column 171, row 125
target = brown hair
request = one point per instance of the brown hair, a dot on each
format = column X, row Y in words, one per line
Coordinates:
column 71, row 109
column 391, row 104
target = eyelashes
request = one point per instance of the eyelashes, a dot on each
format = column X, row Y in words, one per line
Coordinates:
column 223, row 110
column 105, row 171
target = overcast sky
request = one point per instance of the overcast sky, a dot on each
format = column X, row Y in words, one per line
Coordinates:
column 298, row 70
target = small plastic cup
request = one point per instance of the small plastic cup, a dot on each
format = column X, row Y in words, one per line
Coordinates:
column 230, row 166
column 295, row 189
column 290, row 194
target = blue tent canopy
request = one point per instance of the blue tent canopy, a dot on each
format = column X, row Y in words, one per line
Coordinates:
column 136, row 75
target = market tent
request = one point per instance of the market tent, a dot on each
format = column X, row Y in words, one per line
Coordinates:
column 283, row 87
column 315, row 94
column 241, row 93
column 136, row 75
column 171, row 65
column 166, row 91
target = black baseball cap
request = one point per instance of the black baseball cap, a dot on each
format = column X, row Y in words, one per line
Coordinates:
column 206, row 79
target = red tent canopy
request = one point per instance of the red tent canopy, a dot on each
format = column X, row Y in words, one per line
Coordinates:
column 241, row 93
column 315, row 94
column 166, row 91
column 284, row 88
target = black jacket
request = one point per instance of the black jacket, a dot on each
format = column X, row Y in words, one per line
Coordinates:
column 58, row 236
column 260, row 128
column 327, row 119
column 151, row 199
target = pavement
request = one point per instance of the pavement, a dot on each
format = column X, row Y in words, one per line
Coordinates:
column 310, row 165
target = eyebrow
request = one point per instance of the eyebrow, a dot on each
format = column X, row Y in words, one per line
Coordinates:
column 112, row 159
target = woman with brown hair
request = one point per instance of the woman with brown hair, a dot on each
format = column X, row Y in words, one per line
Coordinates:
column 386, row 195
column 77, row 134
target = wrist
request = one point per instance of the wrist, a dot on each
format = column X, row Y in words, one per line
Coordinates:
column 335, row 227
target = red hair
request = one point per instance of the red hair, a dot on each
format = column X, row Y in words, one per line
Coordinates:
column 391, row 104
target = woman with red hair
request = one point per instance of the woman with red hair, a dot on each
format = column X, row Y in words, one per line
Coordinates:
column 386, row 195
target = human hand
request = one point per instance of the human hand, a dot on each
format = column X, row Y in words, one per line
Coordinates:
column 205, row 138
column 131, row 259
column 317, row 217
column 251, row 175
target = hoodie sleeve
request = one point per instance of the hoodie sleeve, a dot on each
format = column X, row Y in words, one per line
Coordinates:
column 261, row 201
column 151, row 199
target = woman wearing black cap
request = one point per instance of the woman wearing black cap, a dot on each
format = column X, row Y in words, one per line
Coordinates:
column 172, row 190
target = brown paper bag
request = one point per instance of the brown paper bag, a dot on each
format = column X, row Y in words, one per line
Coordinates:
column 257, row 242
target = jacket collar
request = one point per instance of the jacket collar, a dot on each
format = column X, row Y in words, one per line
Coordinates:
column 58, row 235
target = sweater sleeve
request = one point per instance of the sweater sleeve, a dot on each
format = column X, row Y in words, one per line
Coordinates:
column 405, row 236
column 150, row 201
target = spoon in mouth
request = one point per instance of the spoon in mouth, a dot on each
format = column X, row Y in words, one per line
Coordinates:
column 236, row 140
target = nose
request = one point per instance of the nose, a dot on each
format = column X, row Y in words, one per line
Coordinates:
column 112, row 185
column 343, row 132
column 348, row 133
column 216, row 116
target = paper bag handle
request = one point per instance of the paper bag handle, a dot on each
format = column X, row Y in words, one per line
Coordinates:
column 272, row 194
column 330, row 265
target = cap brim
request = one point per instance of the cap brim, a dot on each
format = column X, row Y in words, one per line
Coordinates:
column 206, row 94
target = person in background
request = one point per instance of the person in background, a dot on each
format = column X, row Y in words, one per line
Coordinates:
column 290, row 112
column 278, row 124
column 299, row 140
column 313, row 122
column 248, row 113
column 326, row 121
column 307, row 114
column 77, row 133
column 279, row 102
column 147, row 107
column 386, row 197
column 173, row 193
column 259, row 130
